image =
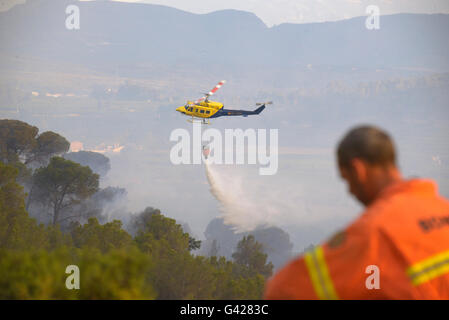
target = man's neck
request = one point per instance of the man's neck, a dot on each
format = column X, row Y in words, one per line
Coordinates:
column 385, row 178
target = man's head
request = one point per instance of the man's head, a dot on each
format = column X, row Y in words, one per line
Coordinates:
column 367, row 161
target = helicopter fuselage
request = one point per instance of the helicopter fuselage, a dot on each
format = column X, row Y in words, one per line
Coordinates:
column 212, row 109
column 203, row 109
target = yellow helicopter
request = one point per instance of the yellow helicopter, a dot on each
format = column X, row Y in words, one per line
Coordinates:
column 205, row 109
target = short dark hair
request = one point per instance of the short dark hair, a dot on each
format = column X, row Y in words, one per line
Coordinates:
column 368, row 143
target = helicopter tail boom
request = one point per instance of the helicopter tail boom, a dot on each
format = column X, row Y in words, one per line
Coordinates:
column 232, row 112
column 259, row 110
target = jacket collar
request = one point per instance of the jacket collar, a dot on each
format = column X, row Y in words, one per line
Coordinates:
column 425, row 187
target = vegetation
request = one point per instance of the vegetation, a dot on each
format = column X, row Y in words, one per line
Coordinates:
column 152, row 260
column 96, row 161
column 64, row 183
column 222, row 240
column 20, row 142
column 250, row 254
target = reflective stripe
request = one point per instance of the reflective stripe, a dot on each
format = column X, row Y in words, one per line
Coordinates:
column 319, row 274
column 316, row 282
column 429, row 269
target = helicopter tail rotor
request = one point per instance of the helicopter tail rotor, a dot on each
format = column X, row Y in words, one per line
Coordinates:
column 264, row 103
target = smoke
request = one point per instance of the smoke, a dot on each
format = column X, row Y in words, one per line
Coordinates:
column 245, row 208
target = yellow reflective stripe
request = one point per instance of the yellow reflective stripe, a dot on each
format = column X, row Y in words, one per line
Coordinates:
column 319, row 274
column 325, row 272
column 429, row 269
column 314, row 276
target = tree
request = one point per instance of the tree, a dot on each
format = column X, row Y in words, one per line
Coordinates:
column 276, row 244
column 17, row 229
column 48, row 144
column 194, row 244
column 250, row 254
column 232, row 284
column 275, row 241
column 62, row 184
column 103, row 237
column 20, row 142
column 17, row 140
column 96, row 161
column 103, row 205
column 21, row 147
column 225, row 237
column 160, row 228
column 138, row 221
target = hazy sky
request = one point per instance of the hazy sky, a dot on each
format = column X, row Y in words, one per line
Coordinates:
column 274, row 12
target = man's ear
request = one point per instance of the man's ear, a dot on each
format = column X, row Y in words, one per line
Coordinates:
column 360, row 169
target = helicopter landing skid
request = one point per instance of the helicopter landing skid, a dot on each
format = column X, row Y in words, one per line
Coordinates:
column 203, row 121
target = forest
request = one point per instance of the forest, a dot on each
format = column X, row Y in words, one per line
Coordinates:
column 51, row 218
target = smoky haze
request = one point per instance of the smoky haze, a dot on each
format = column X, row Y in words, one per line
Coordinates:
column 113, row 87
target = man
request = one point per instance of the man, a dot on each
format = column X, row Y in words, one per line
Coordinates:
column 397, row 249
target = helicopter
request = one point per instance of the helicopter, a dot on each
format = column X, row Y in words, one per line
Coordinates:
column 204, row 109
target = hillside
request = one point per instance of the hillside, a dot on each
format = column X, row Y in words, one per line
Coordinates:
column 114, row 33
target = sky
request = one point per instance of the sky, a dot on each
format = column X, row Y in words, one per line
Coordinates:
column 274, row 12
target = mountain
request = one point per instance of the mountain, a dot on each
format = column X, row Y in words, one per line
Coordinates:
column 117, row 33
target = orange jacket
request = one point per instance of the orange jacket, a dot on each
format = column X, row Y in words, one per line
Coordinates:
column 402, row 240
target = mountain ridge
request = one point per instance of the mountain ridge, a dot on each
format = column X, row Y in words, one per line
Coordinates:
column 114, row 33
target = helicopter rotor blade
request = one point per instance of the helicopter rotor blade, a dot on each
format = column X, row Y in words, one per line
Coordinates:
column 210, row 93
column 200, row 99
column 218, row 86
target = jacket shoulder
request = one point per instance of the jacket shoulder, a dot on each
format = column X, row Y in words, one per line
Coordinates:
column 290, row 283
